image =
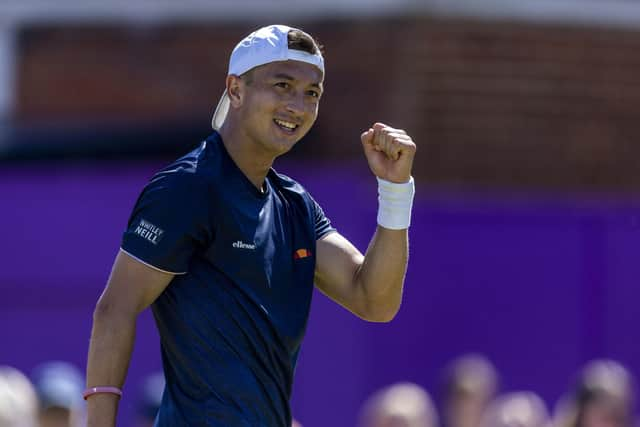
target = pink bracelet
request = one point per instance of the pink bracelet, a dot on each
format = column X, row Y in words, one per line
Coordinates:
column 101, row 389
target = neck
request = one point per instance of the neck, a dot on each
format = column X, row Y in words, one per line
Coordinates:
column 253, row 162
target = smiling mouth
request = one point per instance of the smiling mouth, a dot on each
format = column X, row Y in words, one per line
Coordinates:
column 286, row 126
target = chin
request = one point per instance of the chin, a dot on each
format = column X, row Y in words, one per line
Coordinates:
column 282, row 145
column 283, row 148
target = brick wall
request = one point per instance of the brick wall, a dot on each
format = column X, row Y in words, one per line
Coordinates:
column 492, row 104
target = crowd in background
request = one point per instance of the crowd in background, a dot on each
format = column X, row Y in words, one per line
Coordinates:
column 602, row 396
column 52, row 397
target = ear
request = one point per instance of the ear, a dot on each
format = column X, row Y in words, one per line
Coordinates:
column 235, row 90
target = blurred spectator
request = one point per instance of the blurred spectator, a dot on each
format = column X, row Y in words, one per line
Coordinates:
column 59, row 387
column 602, row 397
column 520, row 409
column 399, row 405
column 18, row 401
column 150, row 399
column 470, row 383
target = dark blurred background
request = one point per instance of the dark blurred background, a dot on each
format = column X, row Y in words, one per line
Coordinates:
column 525, row 233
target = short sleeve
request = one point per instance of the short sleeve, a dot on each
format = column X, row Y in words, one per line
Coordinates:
column 322, row 224
column 169, row 222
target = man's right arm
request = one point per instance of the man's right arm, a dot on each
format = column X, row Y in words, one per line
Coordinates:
column 132, row 287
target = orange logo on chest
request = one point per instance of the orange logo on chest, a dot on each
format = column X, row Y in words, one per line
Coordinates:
column 301, row 253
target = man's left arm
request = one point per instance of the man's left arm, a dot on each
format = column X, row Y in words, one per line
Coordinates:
column 370, row 286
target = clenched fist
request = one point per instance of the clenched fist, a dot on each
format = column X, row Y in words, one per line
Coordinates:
column 389, row 151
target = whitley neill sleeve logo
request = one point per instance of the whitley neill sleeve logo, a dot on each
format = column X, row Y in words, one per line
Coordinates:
column 149, row 232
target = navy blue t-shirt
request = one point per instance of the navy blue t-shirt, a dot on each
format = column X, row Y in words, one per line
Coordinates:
column 232, row 320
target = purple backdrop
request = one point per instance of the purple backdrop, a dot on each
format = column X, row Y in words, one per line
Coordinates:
column 539, row 283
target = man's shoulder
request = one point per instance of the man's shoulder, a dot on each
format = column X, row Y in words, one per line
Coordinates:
column 286, row 183
column 293, row 191
column 193, row 169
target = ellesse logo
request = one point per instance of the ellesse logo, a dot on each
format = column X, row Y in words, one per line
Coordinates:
column 242, row 245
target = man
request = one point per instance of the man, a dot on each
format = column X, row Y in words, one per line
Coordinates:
column 399, row 405
column 18, row 399
column 471, row 383
column 516, row 409
column 226, row 251
column 59, row 386
column 603, row 396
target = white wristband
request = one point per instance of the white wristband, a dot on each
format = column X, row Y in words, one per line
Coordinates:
column 394, row 204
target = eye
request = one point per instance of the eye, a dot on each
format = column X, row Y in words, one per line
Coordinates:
column 313, row 93
column 283, row 85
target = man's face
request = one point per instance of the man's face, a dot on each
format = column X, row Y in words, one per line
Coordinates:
column 280, row 104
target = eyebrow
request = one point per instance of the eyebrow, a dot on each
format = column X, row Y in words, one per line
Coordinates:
column 290, row 78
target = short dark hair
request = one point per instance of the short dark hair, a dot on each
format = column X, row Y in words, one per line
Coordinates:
column 299, row 40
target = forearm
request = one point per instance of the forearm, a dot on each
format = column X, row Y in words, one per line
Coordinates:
column 110, row 349
column 370, row 286
column 381, row 274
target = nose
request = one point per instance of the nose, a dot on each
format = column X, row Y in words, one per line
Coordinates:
column 295, row 105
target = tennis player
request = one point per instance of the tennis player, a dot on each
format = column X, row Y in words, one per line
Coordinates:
column 226, row 251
